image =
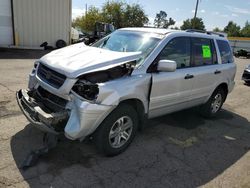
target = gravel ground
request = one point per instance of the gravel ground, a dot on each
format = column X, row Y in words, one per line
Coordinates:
column 177, row 150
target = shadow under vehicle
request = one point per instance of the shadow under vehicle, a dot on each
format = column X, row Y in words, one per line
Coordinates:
column 171, row 152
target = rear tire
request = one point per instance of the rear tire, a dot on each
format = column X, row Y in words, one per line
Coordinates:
column 117, row 131
column 214, row 104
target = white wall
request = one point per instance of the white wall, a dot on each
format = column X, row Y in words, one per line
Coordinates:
column 6, row 32
column 37, row 21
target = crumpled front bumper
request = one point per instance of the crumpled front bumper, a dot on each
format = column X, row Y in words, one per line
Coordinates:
column 80, row 118
column 37, row 116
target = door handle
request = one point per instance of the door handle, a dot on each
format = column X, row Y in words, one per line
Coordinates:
column 189, row 76
column 217, row 72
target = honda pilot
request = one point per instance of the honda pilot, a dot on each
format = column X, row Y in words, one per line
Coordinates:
column 107, row 90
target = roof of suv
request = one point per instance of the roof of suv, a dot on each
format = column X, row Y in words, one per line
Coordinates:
column 162, row 31
column 149, row 30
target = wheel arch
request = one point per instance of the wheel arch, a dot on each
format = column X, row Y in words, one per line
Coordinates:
column 224, row 87
column 139, row 107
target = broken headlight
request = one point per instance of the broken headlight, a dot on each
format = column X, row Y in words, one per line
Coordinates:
column 36, row 64
column 86, row 89
column 35, row 67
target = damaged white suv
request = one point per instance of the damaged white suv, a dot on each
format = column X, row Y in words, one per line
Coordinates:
column 106, row 90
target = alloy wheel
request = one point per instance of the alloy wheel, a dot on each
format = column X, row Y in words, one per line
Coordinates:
column 120, row 131
column 216, row 104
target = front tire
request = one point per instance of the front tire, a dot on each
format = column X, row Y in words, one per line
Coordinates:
column 117, row 131
column 214, row 104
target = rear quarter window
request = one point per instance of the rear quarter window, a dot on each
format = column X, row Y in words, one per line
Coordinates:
column 225, row 52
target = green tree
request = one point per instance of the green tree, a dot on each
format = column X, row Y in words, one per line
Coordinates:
column 87, row 22
column 161, row 20
column 124, row 15
column 112, row 12
column 232, row 29
column 217, row 29
column 245, row 32
column 134, row 16
column 118, row 13
column 196, row 23
column 170, row 22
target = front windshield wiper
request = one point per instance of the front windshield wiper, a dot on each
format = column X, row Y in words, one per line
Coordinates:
column 104, row 43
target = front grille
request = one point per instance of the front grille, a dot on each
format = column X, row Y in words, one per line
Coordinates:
column 51, row 101
column 50, row 76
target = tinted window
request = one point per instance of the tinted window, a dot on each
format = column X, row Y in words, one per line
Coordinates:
column 178, row 50
column 225, row 51
column 203, row 52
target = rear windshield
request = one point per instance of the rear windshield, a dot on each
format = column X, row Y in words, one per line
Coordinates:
column 225, row 52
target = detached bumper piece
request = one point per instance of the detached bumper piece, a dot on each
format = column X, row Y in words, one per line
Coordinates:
column 31, row 104
column 49, row 142
column 246, row 76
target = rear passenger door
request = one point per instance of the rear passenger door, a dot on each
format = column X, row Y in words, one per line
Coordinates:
column 206, row 70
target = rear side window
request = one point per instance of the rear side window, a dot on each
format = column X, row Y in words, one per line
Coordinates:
column 178, row 50
column 225, row 51
column 203, row 52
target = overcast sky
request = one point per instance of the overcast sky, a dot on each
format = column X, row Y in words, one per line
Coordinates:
column 215, row 13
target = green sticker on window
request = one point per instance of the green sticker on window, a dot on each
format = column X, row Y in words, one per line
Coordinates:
column 206, row 52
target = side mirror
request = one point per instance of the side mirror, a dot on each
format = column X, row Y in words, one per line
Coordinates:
column 166, row 66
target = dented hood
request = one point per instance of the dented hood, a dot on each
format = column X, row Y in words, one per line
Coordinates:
column 79, row 59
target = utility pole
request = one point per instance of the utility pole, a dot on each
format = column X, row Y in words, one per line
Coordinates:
column 195, row 13
column 86, row 9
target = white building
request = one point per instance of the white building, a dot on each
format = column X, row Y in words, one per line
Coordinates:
column 29, row 23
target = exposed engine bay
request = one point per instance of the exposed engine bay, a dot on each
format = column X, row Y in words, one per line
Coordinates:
column 109, row 74
column 87, row 85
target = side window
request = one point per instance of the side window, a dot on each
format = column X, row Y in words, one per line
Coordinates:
column 225, row 51
column 204, row 52
column 178, row 50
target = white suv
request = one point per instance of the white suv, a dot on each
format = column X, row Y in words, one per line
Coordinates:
column 108, row 89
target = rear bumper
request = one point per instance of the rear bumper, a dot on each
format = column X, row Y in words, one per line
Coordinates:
column 37, row 116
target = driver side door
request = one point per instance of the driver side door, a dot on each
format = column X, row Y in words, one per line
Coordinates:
column 171, row 91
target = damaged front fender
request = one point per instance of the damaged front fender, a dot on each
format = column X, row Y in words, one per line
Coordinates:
column 85, row 117
column 130, row 87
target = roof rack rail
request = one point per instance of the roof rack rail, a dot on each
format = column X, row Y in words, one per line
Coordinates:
column 215, row 33
column 205, row 32
column 195, row 30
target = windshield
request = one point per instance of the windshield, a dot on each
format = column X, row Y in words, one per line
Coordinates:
column 129, row 41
